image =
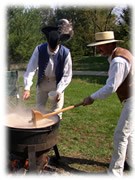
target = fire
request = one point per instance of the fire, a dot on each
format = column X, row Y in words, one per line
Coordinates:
column 26, row 164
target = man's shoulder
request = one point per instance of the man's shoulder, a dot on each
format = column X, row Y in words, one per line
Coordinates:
column 64, row 51
column 64, row 48
column 42, row 46
column 123, row 53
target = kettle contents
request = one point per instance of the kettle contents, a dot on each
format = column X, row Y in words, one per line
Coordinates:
column 16, row 121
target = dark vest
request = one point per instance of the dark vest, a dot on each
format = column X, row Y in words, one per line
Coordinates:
column 59, row 60
column 124, row 90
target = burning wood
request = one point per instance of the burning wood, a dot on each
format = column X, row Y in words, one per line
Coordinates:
column 16, row 164
column 20, row 165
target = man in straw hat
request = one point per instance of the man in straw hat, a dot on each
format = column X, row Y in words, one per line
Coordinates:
column 119, row 81
column 54, row 65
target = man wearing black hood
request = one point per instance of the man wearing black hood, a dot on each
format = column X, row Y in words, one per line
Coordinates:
column 54, row 65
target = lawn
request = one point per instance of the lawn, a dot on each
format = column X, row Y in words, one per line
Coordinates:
column 90, row 63
column 85, row 139
column 86, row 133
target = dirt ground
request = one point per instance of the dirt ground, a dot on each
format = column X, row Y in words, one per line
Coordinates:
column 67, row 166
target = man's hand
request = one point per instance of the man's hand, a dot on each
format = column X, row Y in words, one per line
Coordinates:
column 26, row 94
column 87, row 101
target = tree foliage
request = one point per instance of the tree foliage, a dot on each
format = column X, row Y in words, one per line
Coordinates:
column 24, row 28
column 124, row 27
column 86, row 22
column 23, row 33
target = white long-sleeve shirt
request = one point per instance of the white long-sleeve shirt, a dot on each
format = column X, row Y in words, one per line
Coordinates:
column 49, row 72
column 118, row 70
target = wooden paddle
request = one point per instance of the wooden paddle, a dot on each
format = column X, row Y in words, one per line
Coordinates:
column 36, row 115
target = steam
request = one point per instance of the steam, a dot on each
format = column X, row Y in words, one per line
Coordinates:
column 20, row 117
column 20, row 110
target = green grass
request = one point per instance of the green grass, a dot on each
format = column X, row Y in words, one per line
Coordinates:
column 90, row 127
column 88, row 63
column 85, row 63
column 86, row 133
column 85, row 139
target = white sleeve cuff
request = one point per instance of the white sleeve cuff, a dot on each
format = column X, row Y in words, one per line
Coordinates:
column 27, row 88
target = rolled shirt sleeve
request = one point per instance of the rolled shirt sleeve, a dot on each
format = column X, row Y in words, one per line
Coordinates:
column 31, row 69
column 67, row 75
column 119, row 69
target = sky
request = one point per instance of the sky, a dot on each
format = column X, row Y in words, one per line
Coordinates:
column 3, row 48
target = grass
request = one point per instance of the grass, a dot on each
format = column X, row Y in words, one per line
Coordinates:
column 88, row 63
column 90, row 127
column 85, row 63
column 85, row 139
column 86, row 133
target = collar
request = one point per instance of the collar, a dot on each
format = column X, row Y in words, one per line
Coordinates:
column 110, row 57
column 52, row 53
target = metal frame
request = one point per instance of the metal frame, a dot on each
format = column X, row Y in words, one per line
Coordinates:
column 13, row 90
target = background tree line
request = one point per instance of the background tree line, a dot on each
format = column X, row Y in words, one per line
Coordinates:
column 24, row 28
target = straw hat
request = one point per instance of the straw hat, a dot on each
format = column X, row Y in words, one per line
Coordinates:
column 104, row 38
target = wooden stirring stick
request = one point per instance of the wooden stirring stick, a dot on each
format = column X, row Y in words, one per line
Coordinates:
column 36, row 115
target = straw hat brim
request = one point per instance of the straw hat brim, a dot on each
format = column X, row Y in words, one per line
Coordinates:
column 103, row 42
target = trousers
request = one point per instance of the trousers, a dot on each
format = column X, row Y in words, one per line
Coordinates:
column 42, row 99
column 123, row 140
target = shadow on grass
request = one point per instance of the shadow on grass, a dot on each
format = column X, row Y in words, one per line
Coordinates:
column 68, row 165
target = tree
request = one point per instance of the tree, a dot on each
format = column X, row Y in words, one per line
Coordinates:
column 124, row 27
column 24, row 28
column 86, row 21
column 23, row 33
